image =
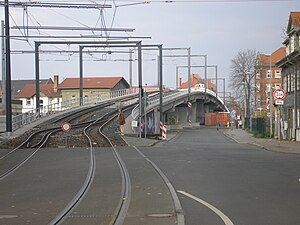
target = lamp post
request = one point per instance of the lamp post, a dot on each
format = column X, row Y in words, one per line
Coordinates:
column 271, row 98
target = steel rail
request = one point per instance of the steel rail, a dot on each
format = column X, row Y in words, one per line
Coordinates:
column 13, row 169
column 123, row 206
column 125, row 198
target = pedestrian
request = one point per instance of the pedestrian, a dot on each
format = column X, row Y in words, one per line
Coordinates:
column 121, row 118
column 218, row 125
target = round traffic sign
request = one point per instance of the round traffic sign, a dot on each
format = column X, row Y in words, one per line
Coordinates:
column 66, row 126
column 279, row 94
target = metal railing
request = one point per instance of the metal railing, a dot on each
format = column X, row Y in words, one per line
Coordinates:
column 173, row 97
column 45, row 111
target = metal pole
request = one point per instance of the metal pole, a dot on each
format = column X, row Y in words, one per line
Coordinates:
column 205, row 75
column 8, row 71
column 189, row 89
column 80, row 75
column 177, row 77
column 130, row 68
column 160, row 51
column 216, row 81
column 37, row 76
column 295, row 100
column 140, row 77
column 3, row 65
column 271, row 100
column 224, row 90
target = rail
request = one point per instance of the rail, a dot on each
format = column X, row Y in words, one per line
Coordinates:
column 23, row 119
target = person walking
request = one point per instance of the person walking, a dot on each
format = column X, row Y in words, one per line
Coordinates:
column 121, row 118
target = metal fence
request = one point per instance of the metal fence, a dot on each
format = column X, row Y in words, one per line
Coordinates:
column 36, row 114
column 258, row 126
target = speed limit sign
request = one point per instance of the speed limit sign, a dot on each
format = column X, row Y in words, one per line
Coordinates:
column 66, row 126
column 279, row 94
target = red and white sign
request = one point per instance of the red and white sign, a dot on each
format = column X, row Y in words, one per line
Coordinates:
column 66, row 126
column 279, row 94
column 189, row 104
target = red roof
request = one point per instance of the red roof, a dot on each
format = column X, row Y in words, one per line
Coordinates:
column 47, row 89
column 295, row 19
column 92, row 82
column 275, row 56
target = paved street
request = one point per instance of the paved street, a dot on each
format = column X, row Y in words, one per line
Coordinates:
column 242, row 183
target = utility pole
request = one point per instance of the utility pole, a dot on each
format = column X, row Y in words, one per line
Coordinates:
column 130, row 68
column 7, row 71
column 3, row 65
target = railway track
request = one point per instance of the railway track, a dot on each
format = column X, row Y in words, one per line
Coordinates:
column 105, row 138
column 40, row 138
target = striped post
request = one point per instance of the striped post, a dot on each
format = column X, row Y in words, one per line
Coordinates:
column 164, row 132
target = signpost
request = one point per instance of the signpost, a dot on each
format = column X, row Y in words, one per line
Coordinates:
column 279, row 95
column 66, row 127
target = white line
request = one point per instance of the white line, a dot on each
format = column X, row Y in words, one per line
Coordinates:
column 226, row 220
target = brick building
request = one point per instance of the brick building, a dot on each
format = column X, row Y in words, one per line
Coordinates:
column 291, row 78
column 268, row 78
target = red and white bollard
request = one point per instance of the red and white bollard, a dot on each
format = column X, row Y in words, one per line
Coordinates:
column 164, row 133
column 190, row 123
column 161, row 125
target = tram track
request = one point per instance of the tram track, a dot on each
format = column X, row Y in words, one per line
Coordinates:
column 39, row 139
column 68, row 213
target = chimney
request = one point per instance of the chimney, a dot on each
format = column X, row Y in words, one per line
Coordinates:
column 55, row 84
column 180, row 82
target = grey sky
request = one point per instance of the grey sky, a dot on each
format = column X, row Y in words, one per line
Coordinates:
column 217, row 29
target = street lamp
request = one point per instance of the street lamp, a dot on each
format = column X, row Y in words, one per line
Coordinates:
column 271, row 99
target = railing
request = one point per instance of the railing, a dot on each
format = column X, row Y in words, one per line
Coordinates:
column 36, row 114
column 173, row 97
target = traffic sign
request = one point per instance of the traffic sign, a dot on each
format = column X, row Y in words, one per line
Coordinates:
column 279, row 102
column 189, row 104
column 66, row 126
column 279, row 94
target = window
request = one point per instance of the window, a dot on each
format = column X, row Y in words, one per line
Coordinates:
column 268, row 74
column 277, row 74
column 28, row 101
column 268, row 88
column 277, row 86
column 73, row 99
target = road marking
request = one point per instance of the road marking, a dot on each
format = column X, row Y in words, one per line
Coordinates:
column 225, row 219
column 8, row 216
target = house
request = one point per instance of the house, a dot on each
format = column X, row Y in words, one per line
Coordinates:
column 49, row 95
column 94, row 88
column 267, row 78
column 195, row 80
column 290, row 66
column 16, row 87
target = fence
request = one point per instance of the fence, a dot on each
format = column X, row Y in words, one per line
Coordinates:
column 260, row 126
column 36, row 114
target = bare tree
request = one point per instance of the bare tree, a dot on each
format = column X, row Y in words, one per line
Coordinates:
column 242, row 77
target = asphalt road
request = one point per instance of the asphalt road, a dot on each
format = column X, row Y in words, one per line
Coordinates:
column 219, row 181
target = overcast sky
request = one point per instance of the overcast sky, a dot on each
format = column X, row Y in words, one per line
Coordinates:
column 218, row 29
